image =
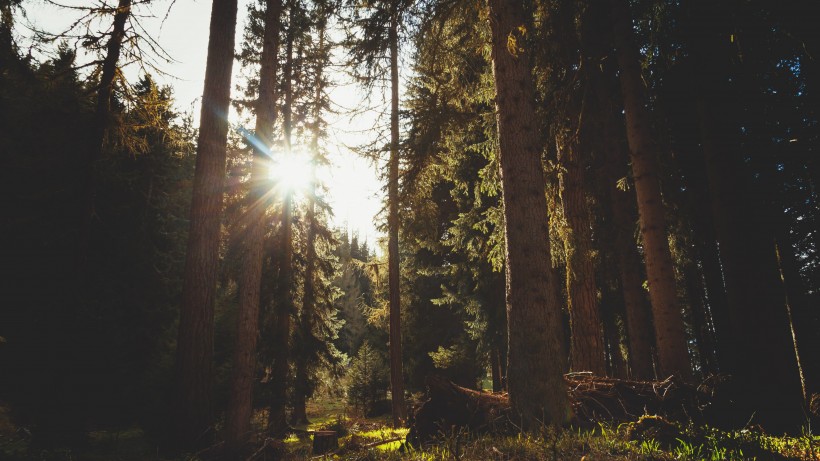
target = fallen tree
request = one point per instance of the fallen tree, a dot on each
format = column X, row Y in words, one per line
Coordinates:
column 454, row 408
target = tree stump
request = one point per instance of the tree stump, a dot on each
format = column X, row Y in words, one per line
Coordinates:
column 325, row 441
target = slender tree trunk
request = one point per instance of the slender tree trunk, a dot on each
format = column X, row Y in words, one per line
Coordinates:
column 240, row 400
column 536, row 355
column 396, row 369
column 194, row 359
column 277, row 414
column 670, row 337
column 596, row 38
column 701, row 327
column 102, row 116
column 309, row 297
column 587, row 344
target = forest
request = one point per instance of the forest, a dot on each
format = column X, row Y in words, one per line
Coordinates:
column 598, row 234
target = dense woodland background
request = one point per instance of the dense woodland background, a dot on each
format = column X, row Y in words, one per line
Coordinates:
column 625, row 188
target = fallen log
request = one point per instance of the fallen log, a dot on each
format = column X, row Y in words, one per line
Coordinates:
column 593, row 399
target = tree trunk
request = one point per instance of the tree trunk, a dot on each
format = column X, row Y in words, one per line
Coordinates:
column 587, row 343
column 102, row 116
column 536, row 356
column 670, row 337
column 240, row 402
column 701, row 327
column 194, row 358
column 277, row 413
column 396, row 373
column 309, row 297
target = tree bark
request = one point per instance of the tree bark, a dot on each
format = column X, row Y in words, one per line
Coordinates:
column 670, row 337
column 396, row 369
column 587, row 343
column 194, row 367
column 240, row 402
column 536, row 355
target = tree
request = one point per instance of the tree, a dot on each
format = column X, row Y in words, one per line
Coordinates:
column 240, row 405
column 673, row 356
column 194, row 374
column 380, row 24
column 536, row 360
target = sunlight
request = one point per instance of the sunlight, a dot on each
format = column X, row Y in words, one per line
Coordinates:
column 292, row 172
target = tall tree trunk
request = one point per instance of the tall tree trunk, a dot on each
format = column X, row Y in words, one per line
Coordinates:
column 596, row 38
column 240, row 400
column 396, row 369
column 638, row 316
column 277, row 414
column 587, row 343
column 670, row 337
column 536, row 355
column 194, row 359
column 309, row 297
column 102, row 116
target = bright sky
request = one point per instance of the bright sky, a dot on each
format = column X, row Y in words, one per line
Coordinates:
column 354, row 189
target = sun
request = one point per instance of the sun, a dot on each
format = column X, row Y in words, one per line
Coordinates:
column 291, row 172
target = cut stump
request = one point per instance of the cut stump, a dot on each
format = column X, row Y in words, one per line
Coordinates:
column 325, row 441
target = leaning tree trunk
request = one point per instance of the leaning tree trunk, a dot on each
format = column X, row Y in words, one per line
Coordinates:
column 277, row 414
column 536, row 357
column 194, row 367
column 240, row 401
column 396, row 373
column 670, row 337
column 102, row 116
column 587, row 342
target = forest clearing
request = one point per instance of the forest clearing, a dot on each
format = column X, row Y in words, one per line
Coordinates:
column 239, row 230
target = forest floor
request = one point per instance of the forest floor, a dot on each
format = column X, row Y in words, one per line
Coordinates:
column 359, row 441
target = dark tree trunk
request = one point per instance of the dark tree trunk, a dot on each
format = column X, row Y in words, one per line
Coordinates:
column 670, row 337
column 587, row 343
column 495, row 369
column 102, row 118
column 536, row 355
column 194, row 358
column 701, row 327
column 240, row 401
column 396, row 373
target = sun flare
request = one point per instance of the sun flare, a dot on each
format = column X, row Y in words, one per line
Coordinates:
column 291, row 172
